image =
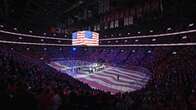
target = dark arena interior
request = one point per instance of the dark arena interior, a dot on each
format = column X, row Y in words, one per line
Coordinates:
column 97, row 55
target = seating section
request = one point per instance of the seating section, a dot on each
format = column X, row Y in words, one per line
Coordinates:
column 28, row 83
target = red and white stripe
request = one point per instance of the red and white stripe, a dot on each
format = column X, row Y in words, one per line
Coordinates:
column 82, row 40
column 106, row 79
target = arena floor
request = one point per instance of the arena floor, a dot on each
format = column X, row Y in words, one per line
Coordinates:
column 106, row 78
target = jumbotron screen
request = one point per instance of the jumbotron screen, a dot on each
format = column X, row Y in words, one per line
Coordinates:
column 85, row 38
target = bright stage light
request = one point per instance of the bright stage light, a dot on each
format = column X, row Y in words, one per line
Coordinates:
column 74, row 49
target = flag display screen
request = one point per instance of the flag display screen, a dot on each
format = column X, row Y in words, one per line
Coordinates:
column 87, row 38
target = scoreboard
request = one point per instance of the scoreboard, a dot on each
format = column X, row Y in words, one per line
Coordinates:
column 85, row 38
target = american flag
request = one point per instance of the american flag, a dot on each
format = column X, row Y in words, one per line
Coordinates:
column 107, row 79
column 85, row 38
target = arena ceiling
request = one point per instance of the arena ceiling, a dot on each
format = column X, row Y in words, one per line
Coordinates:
column 52, row 12
column 42, row 11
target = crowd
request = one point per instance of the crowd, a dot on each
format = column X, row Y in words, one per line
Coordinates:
column 27, row 84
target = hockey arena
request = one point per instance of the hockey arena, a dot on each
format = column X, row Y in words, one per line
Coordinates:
column 98, row 54
column 102, row 76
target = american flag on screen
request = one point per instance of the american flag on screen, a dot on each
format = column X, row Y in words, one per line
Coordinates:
column 85, row 38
